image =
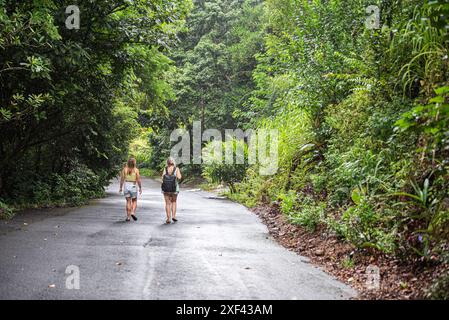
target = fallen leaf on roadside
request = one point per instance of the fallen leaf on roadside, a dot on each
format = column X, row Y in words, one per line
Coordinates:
column 52, row 286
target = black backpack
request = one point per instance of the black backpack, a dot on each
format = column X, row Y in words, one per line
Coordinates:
column 169, row 181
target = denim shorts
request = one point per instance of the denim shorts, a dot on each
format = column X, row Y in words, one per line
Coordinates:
column 130, row 190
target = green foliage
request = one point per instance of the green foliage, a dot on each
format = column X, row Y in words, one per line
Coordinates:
column 79, row 184
column 218, row 170
column 362, row 114
column 253, row 189
column 432, row 120
column 213, row 76
column 140, row 149
column 423, row 38
column 358, row 120
column 71, row 189
column 347, row 262
column 70, row 99
column 366, row 227
column 289, row 202
column 148, row 172
column 6, row 212
column 439, row 290
column 310, row 214
column 160, row 149
column 302, row 209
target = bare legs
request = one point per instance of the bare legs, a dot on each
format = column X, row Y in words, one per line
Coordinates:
column 170, row 207
column 131, row 206
column 167, row 207
column 173, row 208
column 134, row 206
column 128, row 208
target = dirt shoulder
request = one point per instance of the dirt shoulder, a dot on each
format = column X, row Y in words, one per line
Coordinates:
column 397, row 280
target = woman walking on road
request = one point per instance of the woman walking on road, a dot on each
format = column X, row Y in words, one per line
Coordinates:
column 130, row 178
column 170, row 189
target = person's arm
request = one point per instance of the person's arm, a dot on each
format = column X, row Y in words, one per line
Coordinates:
column 178, row 174
column 139, row 181
column 122, row 180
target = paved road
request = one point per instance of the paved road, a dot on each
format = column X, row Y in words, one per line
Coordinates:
column 218, row 250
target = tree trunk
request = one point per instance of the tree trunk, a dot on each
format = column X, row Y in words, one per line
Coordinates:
column 202, row 105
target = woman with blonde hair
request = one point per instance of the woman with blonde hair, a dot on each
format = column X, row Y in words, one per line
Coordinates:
column 130, row 178
column 170, row 189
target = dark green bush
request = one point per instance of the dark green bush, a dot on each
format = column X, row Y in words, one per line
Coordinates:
column 310, row 214
column 6, row 212
column 368, row 227
column 74, row 188
column 216, row 169
column 439, row 290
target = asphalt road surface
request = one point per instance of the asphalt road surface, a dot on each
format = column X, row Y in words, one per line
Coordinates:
column 217, row 250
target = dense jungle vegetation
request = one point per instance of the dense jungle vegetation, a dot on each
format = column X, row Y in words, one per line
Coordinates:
column 361, row 106
column 362, row 113
column 70, row 99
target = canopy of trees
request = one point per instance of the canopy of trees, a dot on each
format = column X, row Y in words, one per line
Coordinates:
column 357, row 89
column 361, row 107
column 69, row 98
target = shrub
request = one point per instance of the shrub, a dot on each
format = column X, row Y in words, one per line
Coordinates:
column 439, row 290
column 216, row 170
column 305, row 212
column 310, row 214
column 294, row 128
column 80, row 185
column 73, row 188
column 289, row 202
column 6, row 212
column 426, row 195
column 365, row 227
column 347, row 262
column 147, row 172
column 254, row 189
